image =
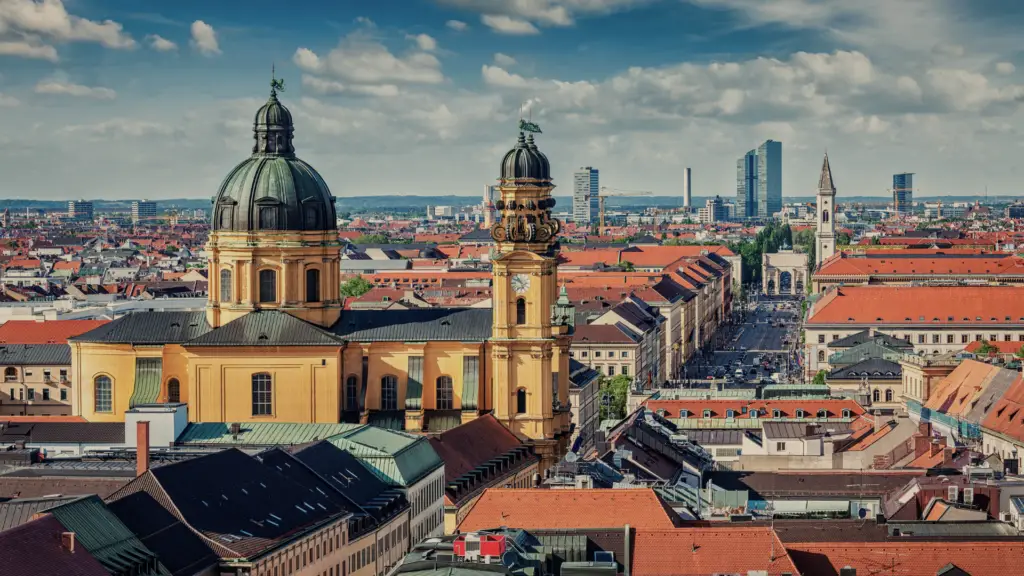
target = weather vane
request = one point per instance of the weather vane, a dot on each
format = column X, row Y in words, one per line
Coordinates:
column 276, row 84
column 528, row 125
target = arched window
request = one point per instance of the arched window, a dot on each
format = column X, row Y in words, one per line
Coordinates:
column 351, row 393
column 445, row 393
column 822, row 413
column 389, row 393
column 225, row 286
column 10, row 374
column 824, row 216
column 800, row 413
column 521, row 401
column 312, row 285
column 262, row 394
column 876, row 395
column 520, row 311
column 268, row 286
column 103, row 394
column 173, row 390
column 821, row 355
column 888, row 395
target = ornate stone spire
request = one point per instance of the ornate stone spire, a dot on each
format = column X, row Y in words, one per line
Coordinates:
column 825, row 180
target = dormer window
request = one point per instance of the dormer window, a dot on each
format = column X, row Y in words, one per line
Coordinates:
column 800, row 413
column 684, row 413
column 707, row 413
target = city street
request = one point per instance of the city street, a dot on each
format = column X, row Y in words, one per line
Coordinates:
column 760, row 335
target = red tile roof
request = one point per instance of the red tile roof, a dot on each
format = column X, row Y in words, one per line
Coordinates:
column 1003, row 347
column 1007, row 416
column 600, row 334
column 909, row 558
column 537, row 509
column 34, row 549
column 884, row 264
column 955, row 393
column 742, row 408
column 692, row 551
column 920, row 305
column 465, row 447
column 45, row 332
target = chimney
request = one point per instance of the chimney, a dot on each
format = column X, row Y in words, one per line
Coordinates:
column 67, row 541
column 878, row 421
column 938, row 444
column 142, row 447
column 924, row 428
column 921, row 446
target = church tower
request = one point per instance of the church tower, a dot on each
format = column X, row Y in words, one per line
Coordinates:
column 533, row 323
column 274, row 240
column 825, row 237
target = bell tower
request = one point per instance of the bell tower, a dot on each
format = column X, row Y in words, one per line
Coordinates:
column 825, row 237
column 532, row 324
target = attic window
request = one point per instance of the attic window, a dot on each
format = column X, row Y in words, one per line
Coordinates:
column 879, row 319
column 446, row 322
column 950, row 318
column 977, row 318
column 262, row 337
column 175, row 325
column 920, row 318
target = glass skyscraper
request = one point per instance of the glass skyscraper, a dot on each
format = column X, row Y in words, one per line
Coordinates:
column 585, row 191
column 759, row 181
column 903, row 193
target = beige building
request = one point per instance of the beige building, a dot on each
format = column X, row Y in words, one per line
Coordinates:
column 36, row 380
column 607, row 348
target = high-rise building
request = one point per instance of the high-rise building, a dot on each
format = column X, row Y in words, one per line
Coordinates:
column 142, row 209
column 687, row 191
column 80, row 210
column 490, row 194
column 585, row 191
column 713, row 211
column 903, row 193
column 759, row 181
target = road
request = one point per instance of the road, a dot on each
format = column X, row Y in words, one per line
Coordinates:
column 759, row 335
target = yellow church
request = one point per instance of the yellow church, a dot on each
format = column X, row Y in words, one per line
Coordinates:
column 274, row 345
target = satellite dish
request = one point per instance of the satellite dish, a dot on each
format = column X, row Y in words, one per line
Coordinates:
column 862, row 513
column 571, row 457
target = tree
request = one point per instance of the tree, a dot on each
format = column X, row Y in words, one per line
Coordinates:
column 987, row 349
column 875, row 241
column 844, row 239
column 617, row 388
column 627, row 266
column 355, row 287
column 372, row 239
column 1020, row 352
column 819, row 378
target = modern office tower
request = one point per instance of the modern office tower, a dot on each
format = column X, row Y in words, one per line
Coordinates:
column 903, row 193
column 142, row 209
column 687, row 191
column 585, row 191
column 80, row 210
column 759, row 181
column 713, row 211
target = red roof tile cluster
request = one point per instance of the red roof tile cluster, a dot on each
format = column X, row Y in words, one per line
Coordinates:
column 699, row 551
column 1007, row 416
column 877, row 264
column 909, row 558
column 955, row 393
column 537, row 509
column 465, row 447
column 920, row 305
column 45, row 332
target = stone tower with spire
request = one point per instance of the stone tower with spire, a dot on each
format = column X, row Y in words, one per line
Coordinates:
column 825, row 237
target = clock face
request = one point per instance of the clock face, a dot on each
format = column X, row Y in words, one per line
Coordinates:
column 520, row 283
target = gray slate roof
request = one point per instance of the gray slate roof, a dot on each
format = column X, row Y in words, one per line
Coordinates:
column 149, row 328
column 63, row 432
column 20, row 510
column 876, row 369
column 266, row 328
column 35, row 355
column 417, row 325
column 866, row 336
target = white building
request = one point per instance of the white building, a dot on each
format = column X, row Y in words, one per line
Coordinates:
column 143, row 209
column 585, row 190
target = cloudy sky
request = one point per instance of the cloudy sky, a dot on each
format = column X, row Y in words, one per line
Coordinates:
column 129, row 98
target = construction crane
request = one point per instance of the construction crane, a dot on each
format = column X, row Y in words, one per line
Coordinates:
column 606, row 192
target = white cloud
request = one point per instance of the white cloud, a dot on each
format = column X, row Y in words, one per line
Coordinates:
column 333, row 87
column 161, row 44
column 204, row 38
column 119, row 127
column 424, row 42
column 504, row 60
column 50, row 19
column 457, row 25
column 28, row 50
column 7, row 101
column 65, row 88
column 1005, row 68
column 506, row 25
column 966, row 90
column 361, row 59
column 497, row 76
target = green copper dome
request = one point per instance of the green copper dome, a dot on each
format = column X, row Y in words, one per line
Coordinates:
column 273, row 190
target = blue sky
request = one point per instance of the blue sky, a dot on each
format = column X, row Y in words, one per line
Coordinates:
column 135, row 98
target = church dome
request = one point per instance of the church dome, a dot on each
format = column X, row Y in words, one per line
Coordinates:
column 273, row 190
column 525, row 162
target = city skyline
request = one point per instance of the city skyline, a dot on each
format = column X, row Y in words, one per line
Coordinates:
column 106, row 102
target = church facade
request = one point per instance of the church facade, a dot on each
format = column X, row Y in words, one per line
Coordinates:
column 273, row 344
